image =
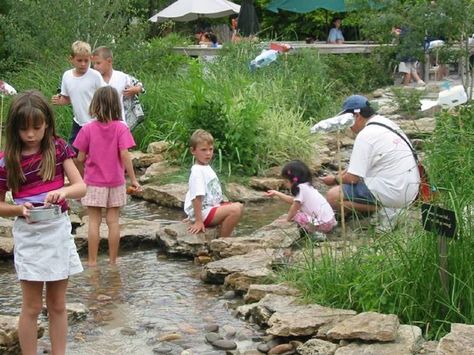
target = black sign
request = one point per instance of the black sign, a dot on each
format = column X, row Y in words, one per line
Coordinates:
column 438, row 220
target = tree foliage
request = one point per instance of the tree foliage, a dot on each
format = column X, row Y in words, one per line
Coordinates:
column 38, row 31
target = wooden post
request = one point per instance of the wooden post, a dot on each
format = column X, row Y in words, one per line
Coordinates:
column 443, row 263
column 426, row 67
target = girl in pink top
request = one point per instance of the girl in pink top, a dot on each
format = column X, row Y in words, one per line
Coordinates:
column 309, row 209
column 103, row 152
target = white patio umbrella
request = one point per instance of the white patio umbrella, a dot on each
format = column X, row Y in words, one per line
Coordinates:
column 188, row 10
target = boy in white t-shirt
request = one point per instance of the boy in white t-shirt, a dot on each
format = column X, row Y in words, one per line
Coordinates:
column 126, row 85
column 78, row 86
column 204, row 203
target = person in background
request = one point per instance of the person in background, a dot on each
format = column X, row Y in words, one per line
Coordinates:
column 127, row 86
column 204, row 203
column 103, row 148
column 382, row 174
column 78, row 86
column 309, row 209
column 335, row 34
column 33, row 167
column 407, row 55
column 209, row 39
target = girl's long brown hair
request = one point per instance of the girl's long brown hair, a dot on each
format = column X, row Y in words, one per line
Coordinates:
column 105, row 105
column 29, row 108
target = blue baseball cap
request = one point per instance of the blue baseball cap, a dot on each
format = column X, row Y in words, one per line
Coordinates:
column 355, row 103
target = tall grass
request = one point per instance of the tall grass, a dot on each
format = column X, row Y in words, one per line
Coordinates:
column 399, row 272
column 258, row 118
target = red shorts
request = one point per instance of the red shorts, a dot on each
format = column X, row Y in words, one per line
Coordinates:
column 212, row 212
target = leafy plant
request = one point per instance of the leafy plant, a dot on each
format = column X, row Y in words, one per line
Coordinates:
column 408, row 101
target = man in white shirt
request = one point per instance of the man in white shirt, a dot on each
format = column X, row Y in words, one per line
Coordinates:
column 382, row 170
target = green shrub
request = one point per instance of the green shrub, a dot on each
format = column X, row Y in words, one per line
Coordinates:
column 357, row 73
column 408, row 101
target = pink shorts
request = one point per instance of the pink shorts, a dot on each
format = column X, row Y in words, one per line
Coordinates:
column 98, row 196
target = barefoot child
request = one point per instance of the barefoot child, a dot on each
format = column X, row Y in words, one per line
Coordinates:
column 204, row 205
column 33, row 167
column 309, row 209
column 103, row 147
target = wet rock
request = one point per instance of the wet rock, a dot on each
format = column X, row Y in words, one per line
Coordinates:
column 257, row 262
column 277, row 235
column 282, row 349
column 202, row 260
column 261, row 311
column 162, row 349
column 169, row 195
column 76, row 312
column 251, row 352
column 240, row 193
column 6, row 247
column 211, row 328
column 103, row 298
column 133, row 232
column 225, row 344
column 6, row 225
column 317, row 346
column 263, row 347
column 256, row 292
column 408, row 342
column 169, row 337
column 459, row 341
column 229, row 331
column 9, row 342
column 366, row 326
column 265, row 184
column 167, row 348
column 176, row 240
column 245, row 334
column 212, row 337
column 228, row 295
column 128, row 331
column 241, row 281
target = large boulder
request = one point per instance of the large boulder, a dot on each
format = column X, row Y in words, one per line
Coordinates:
column 133, row 232
column 368, row 326
column 407, row 342
column 174, row 239
column 169, row 195
column 459, row 341
column 279, row 234
column 257, row 262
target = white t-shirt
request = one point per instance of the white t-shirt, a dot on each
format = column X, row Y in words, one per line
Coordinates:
column 80, row 90
column 314, row 205
column 120, row 81
column 385, row 163
column 203, row 181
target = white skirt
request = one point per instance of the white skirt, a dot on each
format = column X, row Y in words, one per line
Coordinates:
column 45, row 251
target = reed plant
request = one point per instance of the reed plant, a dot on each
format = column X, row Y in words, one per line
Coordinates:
column 399, row 272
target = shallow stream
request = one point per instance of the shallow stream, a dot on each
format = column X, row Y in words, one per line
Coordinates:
column 147, row 298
